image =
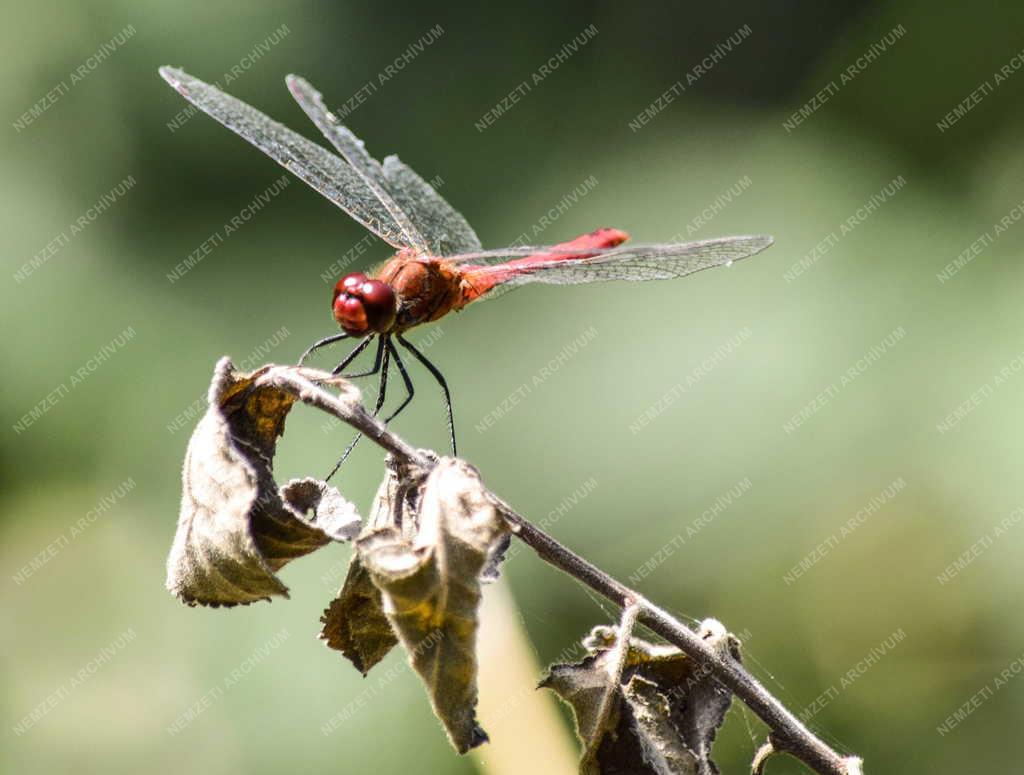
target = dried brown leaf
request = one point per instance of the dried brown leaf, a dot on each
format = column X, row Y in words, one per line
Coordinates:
column 236, row 528
column 354, row 623
column 657, row 711
column 430, row 585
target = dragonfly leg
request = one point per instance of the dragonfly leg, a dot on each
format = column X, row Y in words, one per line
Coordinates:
column 322, row 343
column 410, row 391
column 440, row 380
column 384, row 361
column 337, row 370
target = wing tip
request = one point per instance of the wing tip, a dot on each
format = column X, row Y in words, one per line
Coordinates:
column 173, row 75
column 312, row 102
column 758, row 243
column 298, row 85
column 180, row 81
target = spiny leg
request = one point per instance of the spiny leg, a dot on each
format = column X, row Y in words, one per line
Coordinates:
column 376, row 363
column 384, row 363
column 322, row 343
column 410, row 392
column 440, row 380
column 355, row 354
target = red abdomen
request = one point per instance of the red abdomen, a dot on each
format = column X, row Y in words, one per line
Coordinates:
column 478, row 280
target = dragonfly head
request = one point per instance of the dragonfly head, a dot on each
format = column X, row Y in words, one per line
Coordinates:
column 363, row 306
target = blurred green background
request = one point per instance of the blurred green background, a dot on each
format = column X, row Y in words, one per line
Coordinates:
column 106, row 445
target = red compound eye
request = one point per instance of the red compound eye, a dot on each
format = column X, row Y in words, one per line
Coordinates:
column 363, row 306
column 379, row 303
column 350, row 283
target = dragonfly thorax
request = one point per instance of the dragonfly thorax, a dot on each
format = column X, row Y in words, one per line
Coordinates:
column 426, row 289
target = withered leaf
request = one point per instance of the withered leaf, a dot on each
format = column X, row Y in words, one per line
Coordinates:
column 430, row 585
column 661, row 747
column 354, row 623
column 492, row 569
column 652, row 710
column 236, row 528
column 318, row 505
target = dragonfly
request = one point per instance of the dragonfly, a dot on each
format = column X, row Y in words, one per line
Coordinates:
column 439, row 265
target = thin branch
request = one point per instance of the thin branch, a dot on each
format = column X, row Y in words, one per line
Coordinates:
column 788, row 733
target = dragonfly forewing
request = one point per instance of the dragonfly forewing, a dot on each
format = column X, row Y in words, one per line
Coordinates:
column 446, row 230
column 314, row 165
column 353, row 150
column 433, row 226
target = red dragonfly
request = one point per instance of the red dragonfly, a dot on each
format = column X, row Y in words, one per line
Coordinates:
column 440, row 265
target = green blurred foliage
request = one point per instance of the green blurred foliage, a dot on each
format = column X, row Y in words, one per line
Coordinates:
column 650, row 485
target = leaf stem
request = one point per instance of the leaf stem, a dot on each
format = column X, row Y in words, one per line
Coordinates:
column 788, row 733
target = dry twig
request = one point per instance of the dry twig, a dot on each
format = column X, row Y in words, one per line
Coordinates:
column 788, row 733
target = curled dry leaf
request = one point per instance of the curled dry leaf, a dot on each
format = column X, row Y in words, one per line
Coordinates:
column 430, row 587
column 497, row 555
column 354, row 623
column 236, row 528
column 657, row 711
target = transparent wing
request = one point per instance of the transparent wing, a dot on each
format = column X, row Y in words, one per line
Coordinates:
column 446, row 230
column 314, row 165
column 626, row 262
column 431, row 224
column 498, row 255
column 354, row 152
